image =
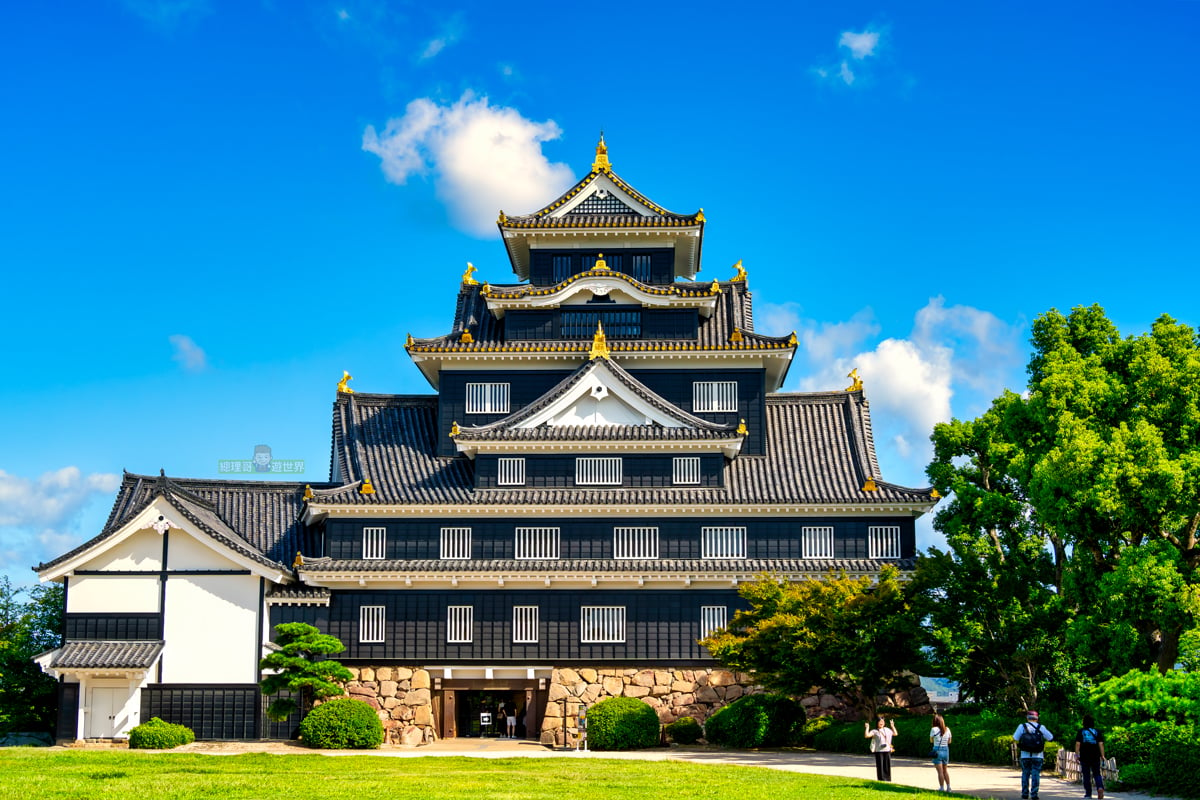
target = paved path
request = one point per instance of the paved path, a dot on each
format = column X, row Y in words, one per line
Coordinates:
column 967, row 779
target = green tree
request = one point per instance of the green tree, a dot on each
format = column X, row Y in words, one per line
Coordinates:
column 298, row 666
column 31, row 622
column 854, row 637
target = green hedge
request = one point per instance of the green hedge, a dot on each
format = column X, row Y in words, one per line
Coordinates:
column 342, row 724
column 1159, row 756
column 756, row 720
column 159, row 735
column 622, row 723
column 685, row 730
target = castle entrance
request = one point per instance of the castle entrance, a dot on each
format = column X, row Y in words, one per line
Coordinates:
column 479, row 708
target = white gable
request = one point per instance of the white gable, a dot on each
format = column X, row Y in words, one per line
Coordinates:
column 603, row 193
column 600, row 399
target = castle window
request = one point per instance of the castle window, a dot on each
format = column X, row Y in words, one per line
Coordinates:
column 456, row 543
column 601, row 624
column 883, row 541
column 714, row 396
column 374, row 543
column 487, row 398
column 525, row 625
column 370, row 624
column 598, row 471
column 510, row 472
column 562, row 268
column 459, row 626
column 639, row 270
column 712, row 618
column 635, row 542
column 685, row 470
column 817, row 542
column 537, row 544
column 723, row 542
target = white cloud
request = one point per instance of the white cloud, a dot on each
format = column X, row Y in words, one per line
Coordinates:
column 188, row 353
column 451, row 33
column 483, row 158
column 860, row 45
column 846, row 74
column 343, row 14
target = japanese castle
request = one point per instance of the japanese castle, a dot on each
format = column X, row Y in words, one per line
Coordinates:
column 606, row 456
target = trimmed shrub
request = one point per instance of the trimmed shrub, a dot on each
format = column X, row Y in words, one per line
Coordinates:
column 756, row 720
column 342, row 724
column 621, row 723
column 685, row 730
column 159, row 735
column 812, row 727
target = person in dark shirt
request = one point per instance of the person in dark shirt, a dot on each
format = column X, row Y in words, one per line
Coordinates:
column 1089, row 746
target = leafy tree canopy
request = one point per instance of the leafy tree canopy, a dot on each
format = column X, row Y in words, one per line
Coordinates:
column 297, row 667
column 31, row 622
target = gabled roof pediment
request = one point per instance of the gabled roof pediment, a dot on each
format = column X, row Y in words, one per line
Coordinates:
column 602, row 282
column 600, row 402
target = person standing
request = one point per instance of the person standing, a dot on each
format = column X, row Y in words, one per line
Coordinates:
column 1031, row 737
column 1089, row 747
column 511, row 719
column 939, row 737
column 881, row 746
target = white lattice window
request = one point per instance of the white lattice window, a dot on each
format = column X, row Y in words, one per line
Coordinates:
column 598, row 471
column 712, row 618
column 883, row 541
column 725, row 542
column 599, row 624
column 537, row 543
column 635, row 542
column 817, row 541
column 525, row 624
column 456, row 543
column 371, row 621
column 510, row 472
column 374, row 543
column 714, row 396
column 685, row 470
column 487, row 398
column 459, row 623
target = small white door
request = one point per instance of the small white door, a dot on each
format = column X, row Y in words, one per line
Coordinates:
column 107, row 706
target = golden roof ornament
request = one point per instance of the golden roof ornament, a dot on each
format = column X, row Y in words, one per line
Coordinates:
column 740, row 277
column 367, row 487
column 741, row 428
column 503, row 218
column 792, row 340
column 869, row 484
column 700, row 215
column 308, row 492
column 601, row 164
column 409, row 341
column 716, row 287
column 298, row 561
column 935, row 494
column 599, row 344
column 601, row 265
column 855, row 381
column 467, row 280
column 736, row 336
column 344, row 383
column 466, row 337
column 454, row 429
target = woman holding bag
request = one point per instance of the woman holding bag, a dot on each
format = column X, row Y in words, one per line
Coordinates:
column 939, row 738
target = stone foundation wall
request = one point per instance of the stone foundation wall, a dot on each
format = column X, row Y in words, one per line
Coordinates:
column 402, row 699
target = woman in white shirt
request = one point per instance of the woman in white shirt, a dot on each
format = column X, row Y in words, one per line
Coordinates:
column 939, row 737
column 881, row 746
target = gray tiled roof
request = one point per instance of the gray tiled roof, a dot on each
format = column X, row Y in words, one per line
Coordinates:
column 733, row 310
column 543, row 217
column 298, row 592
column 667, row 565
column 820, row 450
column 506, row 429
column 106, row 655
column 258, row 519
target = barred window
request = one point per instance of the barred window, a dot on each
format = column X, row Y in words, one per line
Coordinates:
column 370, row 624
column 374, row 543
column 561, row 267
column 458, row 623
column 883, row 541
column 537, row 543
column 723, row 542
column 712, row 618
column 685, row 470
column 635, row 542
column 640, row 268
column 714, row 396
column 487, row 398
column 525, row 624
column 456, row 543
column 600, row 624
column 817, row 541
column 510, row 472
column 598, row 471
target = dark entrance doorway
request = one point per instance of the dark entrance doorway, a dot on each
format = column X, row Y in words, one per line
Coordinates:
column 459, row 703
column 498, row 703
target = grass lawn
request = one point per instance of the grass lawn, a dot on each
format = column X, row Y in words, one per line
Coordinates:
column 33, row 774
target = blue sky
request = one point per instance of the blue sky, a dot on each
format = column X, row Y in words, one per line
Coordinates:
column 208, row 210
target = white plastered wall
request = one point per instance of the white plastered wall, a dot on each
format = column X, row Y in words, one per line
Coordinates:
column 185, row 551
column 117, row 594
column 142, row 550
column 211, row 629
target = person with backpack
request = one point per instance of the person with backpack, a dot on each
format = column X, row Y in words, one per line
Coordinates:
column 1031, row 737
column 1089, row 747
